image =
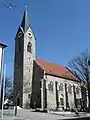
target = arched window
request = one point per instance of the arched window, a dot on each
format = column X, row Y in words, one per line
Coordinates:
column 61, row 87
column 50, row 86
column 70, row 89
column 77, row 90
column 29, row 47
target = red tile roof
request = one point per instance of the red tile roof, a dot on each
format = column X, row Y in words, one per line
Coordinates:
column 84, row 85
column 56, row 70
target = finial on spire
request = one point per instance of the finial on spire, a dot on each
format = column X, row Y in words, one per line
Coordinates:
column 25, row 6
column 25, row 21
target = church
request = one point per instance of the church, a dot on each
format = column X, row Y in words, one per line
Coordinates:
column 39, row 83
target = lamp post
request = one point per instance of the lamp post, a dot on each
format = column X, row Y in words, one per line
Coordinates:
column 88, row 83
column 3, row 90
column 2, row 46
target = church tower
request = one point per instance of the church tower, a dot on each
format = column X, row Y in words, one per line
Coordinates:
column 23, row 63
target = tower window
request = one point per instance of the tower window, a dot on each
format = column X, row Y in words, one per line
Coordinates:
column 29, row 95
column 29, row 58
column 29, row 47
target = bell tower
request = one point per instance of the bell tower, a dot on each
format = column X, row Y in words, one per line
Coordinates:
column 23, row 63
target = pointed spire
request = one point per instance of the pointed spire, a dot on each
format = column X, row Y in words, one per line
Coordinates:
column 25, row 21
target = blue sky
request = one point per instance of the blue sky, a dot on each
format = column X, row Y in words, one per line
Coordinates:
column 61, row 27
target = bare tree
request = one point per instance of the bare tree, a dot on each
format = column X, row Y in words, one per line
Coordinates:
column 8, row 88
column 80, row 67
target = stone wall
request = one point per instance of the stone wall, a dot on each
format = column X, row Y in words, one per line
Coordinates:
column 18, row 70
column 28, row 60
column 36, row 86
column 51, row 95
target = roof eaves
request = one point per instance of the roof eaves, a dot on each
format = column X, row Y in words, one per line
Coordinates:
column 3, row 45
column 62, row 77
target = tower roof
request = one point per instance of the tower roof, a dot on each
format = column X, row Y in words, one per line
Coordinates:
column 25, row 21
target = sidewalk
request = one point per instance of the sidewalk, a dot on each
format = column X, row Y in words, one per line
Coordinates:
column 69, row 114
column 29, row 115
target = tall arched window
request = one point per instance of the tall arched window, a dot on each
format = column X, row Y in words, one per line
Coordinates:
column 61, row 87
column 77, row 90
column 70, row 89
column 50, row 86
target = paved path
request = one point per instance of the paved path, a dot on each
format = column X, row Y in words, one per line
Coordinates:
column 28, row 115
column 84, row 118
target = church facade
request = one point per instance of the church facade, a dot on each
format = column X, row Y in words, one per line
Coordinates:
column 39, row 83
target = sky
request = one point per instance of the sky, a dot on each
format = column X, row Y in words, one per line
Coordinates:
column 61, row 28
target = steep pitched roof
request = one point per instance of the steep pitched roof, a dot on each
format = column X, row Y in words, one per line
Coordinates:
column 56, row 70
column 25, row 21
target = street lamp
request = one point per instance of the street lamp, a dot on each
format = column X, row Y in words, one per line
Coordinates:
column 2, row 46
column 88, row 83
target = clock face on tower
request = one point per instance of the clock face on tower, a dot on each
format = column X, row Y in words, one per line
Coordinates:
column 30, row 34
column 20, row 34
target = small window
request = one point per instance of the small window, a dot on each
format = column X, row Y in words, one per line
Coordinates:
column 29, row 96
column 40, row 84
column 29, row 47
column 46, row 76
column 29, row 83
column 61, row 101
column 29, row 58
column 29, row 70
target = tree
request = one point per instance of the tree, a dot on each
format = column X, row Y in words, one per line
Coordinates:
column 80, row 67
column 8, row 88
